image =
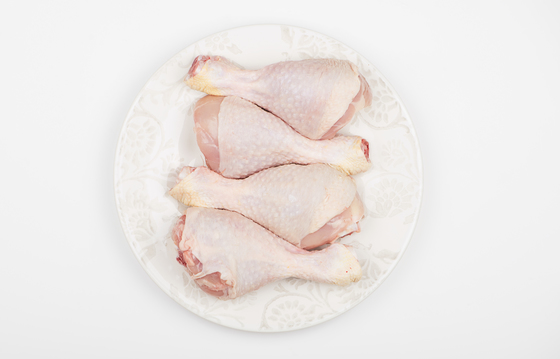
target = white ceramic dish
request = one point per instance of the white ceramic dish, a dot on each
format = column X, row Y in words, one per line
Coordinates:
column 157, row 140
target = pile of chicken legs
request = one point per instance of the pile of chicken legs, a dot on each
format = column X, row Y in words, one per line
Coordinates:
column 277, row 184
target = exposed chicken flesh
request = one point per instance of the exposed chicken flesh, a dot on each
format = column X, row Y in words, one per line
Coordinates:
column 239, row 138
column 317, row 97
column 229, row 255
column 292, row 201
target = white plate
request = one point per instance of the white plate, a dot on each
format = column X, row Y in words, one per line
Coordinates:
column 157, row 139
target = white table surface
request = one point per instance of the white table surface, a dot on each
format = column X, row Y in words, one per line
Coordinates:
column 481, row 276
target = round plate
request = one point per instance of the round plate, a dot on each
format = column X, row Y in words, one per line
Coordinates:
column 157, row 139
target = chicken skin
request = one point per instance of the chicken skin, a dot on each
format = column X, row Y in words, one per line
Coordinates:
column 306, row 205
column 238, row 138
column 317, row 97
column 229, row 255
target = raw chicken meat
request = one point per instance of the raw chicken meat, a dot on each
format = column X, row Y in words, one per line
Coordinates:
column 317, row 97
column 229, row 255
column 239, row 138
column 306, row 205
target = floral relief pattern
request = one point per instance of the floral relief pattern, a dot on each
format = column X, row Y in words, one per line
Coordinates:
column 157, row 140
column 390, row 197
column 142, row 136
column 298, row 303
column 393, row 153
column 221, row 42
column 383, row 103
column 290, row 312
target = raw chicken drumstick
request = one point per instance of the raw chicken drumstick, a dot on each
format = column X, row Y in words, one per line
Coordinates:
column 306, row 205
column 239, row 138
column 229, row 255
column 317, row 97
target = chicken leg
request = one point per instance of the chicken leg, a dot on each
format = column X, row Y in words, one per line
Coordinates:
column 317, row 97
column 306, row 205
column 239, row 138
column 229, row 255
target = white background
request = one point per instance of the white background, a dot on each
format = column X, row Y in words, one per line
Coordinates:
column 481, row 276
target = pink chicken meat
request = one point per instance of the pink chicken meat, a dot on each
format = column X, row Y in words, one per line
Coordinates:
column 229, row 255
column 317, row 97
column 238, row 138
column 306, row 205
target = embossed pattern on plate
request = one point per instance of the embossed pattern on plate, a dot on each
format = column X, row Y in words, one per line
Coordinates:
column 157, row 139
